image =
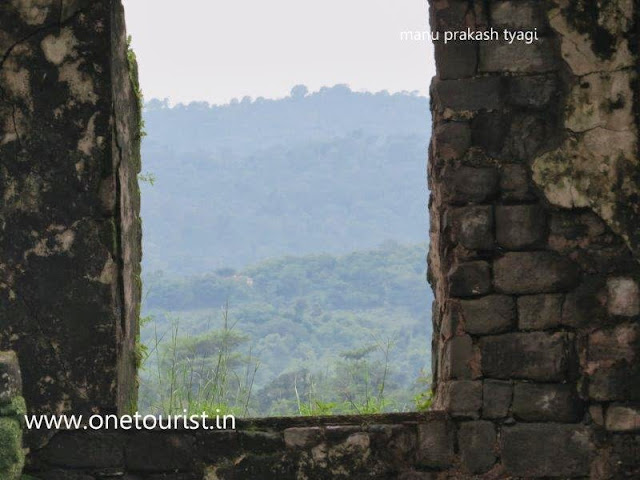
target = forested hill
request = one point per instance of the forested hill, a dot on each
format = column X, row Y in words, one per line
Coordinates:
column 333, row 171
column 300, row 316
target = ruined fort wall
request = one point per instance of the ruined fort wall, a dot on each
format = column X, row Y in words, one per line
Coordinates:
column 534, row 178
column 69, row 203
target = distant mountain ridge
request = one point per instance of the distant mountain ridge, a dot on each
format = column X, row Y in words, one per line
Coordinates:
column 333, row 171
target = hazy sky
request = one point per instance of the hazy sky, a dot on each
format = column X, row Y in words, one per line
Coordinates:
column 216, row 50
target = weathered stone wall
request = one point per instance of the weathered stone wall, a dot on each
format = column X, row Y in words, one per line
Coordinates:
column 534, row 257
column 535, row 208
column 69, row 203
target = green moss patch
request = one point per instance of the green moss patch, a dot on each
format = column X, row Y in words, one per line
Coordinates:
column 11, row 452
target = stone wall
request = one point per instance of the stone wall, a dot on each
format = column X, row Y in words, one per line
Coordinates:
column 534, row 205
column 535, row 181
column 69, row 225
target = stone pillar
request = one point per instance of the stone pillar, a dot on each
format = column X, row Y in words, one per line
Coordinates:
column 69, row 203
column 12, row 409
column 535, row 244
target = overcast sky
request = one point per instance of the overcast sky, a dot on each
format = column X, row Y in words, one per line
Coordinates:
column 216, row 50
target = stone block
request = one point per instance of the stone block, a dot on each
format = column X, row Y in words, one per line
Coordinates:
column 540, row 312
column 533, row 91
column 623, row 418
column 468, row 95
column 533, row 402
column 469, row 279
column 302, row 437
column 472, row 227
column 586, row 304
column 596, row 413
column 624, row 458
column 519, row 15
column 477, row 444
column 261, row 442
column 458, row 359
column 488, row 315
column 538, row 356
column 518, row 57
column 611, row 363
column 148, row 451
column 214, row 445
column 623, row 297
column 460, row 398
column 456, row 60
column 615, row 382
column 534, row 272
column 530, row 133
column 520, row 226
column 86, row 449
column 451, row 140
column 451, row 15
column 617, row 344
column 496, row 398
column 489, row 129
column 514, row 183
column 547, row 450
column 10, row 377
column 435, row 444
column 470, row 185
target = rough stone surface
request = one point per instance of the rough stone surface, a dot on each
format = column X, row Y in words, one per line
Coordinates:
column 534, row 272
column 611, row 363
column 10, row 377
column 69, row 267
column 624, row 297
column 532, row 356
column 482, row 93
column 473, row 227
column 553, row 124
column 514, row 183
column 460, row 398
column 158, row 452
column 454, row 139
column 516, row 58
column 435, row 444
column 302, row 437
column 546, row 403
column 621, row 418
column 478, row 447
column 470, row 279
column 540, row 312
column 471, row 185
column 542, row 450
column 488, row 315
column 496, row 398
column 520, row 227
column 459, row 357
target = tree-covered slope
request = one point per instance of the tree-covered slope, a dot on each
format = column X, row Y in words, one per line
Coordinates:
column 333, row 171
column 303, row 314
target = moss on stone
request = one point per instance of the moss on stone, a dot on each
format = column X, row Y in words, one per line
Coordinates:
column 584, row 16
column 17, row 407
column 135, row 85
column 11, row 451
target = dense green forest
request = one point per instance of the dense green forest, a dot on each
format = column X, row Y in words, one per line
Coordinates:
column 306, row 320
column 284, row 255
column 334, row 171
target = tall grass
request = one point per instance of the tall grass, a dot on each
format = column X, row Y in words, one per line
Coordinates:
column 207, row 373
